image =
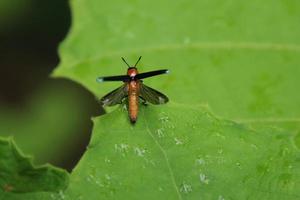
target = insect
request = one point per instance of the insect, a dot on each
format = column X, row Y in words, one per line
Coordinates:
column 133, row 89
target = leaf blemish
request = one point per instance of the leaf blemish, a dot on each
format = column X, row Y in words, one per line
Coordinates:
column 254, row 146
column 177, row 141
column 107, row 177
column 160, row 189
column 221, row 197
column 61, row 194
column 106, row 160
column 165, row 120
column 203, row 178
column 200, row 161
column 238, row 165
column 160, row 133
column 185, row 188
column 122, row 148
column 163, row 117
column 139, row 151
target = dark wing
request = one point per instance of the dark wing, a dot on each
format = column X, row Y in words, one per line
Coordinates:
column 113, row 78
column 115, row 97
column 152, row 73
column 152, row 95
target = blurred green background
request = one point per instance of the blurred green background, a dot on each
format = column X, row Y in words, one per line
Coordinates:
column 48, row 118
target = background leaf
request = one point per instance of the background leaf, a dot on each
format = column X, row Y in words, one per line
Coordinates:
column 49, row 123
column 240, row 57
column 17, row 173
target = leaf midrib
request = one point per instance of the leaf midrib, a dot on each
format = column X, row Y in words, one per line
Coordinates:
column 165, row 157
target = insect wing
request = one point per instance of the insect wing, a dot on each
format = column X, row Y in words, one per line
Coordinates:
column 152, row 95
column 115, row 97
column 114, row 78
column 152, row 73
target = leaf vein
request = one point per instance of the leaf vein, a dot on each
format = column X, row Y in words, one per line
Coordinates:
column 165, row 157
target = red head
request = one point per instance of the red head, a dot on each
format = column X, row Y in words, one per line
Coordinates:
column 132, row 71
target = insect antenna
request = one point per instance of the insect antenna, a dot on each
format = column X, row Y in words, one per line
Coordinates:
column 125, row 62
column 138, row 61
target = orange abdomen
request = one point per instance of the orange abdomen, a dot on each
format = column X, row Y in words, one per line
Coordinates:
column 133, row 100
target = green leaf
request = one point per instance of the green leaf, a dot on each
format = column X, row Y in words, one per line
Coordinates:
column 192, row 155
column 241, row 58
column 18, row 175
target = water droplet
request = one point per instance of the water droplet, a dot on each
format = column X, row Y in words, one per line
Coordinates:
column 185, row 188
column 203, row 178
column 177, row 141
column 160, row 189
column 160, row 133
column 220, row 151
column 139, row 151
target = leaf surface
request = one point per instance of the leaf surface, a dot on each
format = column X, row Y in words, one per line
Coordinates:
column 191, row 156
column 241, row 58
